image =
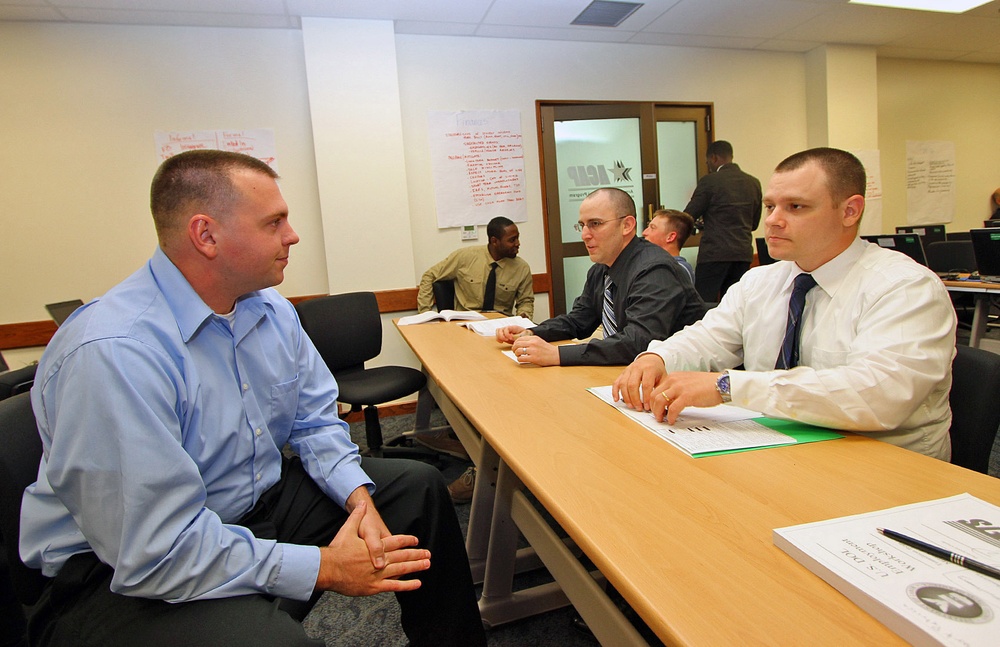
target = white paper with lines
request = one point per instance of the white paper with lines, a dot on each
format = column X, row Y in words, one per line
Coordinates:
column 700, row 430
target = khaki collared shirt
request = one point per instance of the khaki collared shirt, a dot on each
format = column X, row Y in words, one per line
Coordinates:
column 469, row 268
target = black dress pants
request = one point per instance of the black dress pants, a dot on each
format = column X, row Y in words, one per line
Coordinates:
column 78, row 608
column 713, row 278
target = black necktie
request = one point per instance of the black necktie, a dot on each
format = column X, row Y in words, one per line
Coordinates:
column 491, row 288
column 608, row 308
column 789, row 357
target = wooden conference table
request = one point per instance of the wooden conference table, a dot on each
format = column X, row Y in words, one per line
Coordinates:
column 984, row 292
column 687, row 542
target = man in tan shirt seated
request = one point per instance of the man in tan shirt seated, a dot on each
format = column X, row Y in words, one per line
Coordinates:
column 489, row 277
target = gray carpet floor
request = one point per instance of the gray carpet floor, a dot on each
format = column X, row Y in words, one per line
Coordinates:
column 374, row 621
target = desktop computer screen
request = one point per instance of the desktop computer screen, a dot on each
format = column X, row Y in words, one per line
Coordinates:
column 986, row 247
column 929, row 233
column 908, row 244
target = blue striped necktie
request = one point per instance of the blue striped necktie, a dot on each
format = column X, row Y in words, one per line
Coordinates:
column 789, row 357
column 608, row 309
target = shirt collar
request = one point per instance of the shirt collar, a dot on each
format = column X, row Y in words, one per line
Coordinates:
column 501, row 262
column 616, row 269
column 830, row 275
column 189, row 310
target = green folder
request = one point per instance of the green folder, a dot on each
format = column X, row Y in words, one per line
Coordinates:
column 800, row 431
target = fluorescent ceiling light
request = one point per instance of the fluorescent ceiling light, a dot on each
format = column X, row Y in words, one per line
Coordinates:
column 946, row 6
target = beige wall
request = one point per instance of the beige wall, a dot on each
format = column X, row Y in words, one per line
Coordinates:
column 80, row 104
column 929, row 100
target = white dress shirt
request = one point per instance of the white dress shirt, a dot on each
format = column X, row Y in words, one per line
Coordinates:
column 877, row 340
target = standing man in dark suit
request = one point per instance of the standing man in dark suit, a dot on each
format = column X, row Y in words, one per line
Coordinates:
column 727, row 204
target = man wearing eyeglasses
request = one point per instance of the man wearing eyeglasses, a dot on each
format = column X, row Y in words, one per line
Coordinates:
column 635, row 290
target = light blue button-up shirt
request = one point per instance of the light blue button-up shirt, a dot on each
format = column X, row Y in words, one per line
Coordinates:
column 162, row 425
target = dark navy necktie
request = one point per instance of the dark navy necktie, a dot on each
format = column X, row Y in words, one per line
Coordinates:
column 489, row 296
column 608, row 309
column 789, row 357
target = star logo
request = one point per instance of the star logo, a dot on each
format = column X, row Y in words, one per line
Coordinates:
column 621, row 173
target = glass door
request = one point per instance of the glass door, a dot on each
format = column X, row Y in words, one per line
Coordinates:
column 641, row 148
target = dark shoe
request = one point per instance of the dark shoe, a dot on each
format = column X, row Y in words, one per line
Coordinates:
column 461, row 489
column 444, row 443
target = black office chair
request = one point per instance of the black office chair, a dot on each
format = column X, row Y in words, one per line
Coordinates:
column 16, row 381
column 955, row 256
column 951, row 256
column 975, row 381
column 347, row 331
column 22, row 450
column 444, row 295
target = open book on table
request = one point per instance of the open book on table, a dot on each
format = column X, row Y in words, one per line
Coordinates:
column 444, row 315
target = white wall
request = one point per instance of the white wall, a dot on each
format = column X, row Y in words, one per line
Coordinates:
column 80, row 104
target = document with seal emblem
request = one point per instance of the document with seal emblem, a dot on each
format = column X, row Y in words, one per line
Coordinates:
column 925, row 599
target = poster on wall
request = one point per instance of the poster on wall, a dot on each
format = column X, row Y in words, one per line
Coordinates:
column 478, row 166
column 930, row 182
column 871, row 222
column 257, row 143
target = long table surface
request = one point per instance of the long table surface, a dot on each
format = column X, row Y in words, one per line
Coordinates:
column 686, row 541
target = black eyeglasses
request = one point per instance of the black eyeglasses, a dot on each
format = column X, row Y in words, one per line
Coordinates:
column 594, row 225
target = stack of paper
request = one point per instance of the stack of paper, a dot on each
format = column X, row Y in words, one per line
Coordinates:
column 924, row 599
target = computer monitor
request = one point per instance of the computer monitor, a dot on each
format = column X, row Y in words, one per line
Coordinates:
column 763, row 257
column 929, row 233
column 61, row 311
column 908, row 244
column 986, row 247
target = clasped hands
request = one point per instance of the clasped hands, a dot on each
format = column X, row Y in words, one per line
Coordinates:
column 671, row 393
column 364, row 558
column 527, row 347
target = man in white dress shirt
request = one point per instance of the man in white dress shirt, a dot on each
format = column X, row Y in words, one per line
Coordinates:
column 870, row 351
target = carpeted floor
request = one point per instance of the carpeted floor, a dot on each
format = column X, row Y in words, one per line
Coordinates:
column 374, row 621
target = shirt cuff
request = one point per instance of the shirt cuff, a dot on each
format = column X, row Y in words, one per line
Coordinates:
column 299, row 569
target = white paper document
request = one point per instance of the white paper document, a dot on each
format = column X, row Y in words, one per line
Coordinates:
column 489, row 327
column 702, row 430
column 924, row 599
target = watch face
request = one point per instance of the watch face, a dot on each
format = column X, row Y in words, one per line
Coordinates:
column 724, row 383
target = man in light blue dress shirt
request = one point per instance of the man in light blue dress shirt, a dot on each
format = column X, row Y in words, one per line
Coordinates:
column 164, row 510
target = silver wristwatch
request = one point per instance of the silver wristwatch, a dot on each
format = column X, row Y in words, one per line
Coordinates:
column 722, row 386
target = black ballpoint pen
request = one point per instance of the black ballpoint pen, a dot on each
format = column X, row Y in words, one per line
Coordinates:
column 954, row 558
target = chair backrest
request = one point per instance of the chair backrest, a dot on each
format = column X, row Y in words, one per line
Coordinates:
column 19, row 458
column 951, row 256
column 975, row 375
column 345, row 328
column 17, row 381
column 444, row 295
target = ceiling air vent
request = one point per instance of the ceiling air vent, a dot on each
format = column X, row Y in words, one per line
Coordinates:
column 602, row 13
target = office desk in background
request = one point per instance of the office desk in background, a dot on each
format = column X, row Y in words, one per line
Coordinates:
column 687, row 542
column 984, row 293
